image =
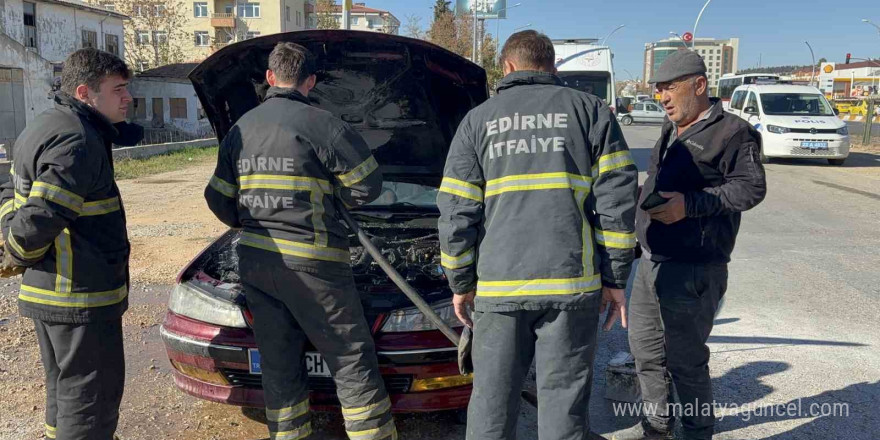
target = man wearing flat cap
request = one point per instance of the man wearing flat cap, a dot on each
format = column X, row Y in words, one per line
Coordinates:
column 704, row 172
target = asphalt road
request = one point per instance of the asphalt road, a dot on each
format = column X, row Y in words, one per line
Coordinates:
column 857, row 130
column 799, row 325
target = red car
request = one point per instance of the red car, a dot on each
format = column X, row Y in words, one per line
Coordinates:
column 406, row 97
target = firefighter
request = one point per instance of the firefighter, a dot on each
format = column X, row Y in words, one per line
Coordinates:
column 64, row 226
column 538, row 198
column 279, row 170
column 707, row 167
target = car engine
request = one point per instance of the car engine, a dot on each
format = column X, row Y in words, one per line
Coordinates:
column 414, row 253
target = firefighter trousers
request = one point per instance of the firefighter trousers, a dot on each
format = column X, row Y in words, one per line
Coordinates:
column 85, row 377
column 671, row 313
column 562, row 344
column 291, row 308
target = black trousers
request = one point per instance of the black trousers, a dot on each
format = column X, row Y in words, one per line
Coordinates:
column 85, row 377
column 291, row 308
column 562, row 344
column 671, row 313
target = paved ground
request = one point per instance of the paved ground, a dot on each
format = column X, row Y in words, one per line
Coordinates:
column 799, row 323
column 857, row 130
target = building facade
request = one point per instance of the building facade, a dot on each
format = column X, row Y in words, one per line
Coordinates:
column 164, row 100
column 36, row 36
column 364, row 18
column 720, row 56
column 849, row 81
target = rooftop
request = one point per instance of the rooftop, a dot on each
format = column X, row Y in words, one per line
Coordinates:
column 170, row 71
column 77, row 4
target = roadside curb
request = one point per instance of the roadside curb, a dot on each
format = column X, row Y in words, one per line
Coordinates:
column 851, row 118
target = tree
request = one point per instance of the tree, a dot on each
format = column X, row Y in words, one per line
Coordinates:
column 155, row 33
column 441, row 7
column 822, row 60
column 413, row 27
column 326, row 12
column 453, row 32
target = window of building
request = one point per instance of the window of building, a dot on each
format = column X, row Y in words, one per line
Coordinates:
column 30, row 24
column 111, row 44
column 299, row 18
column 138, row 108
column 229, row 9
column 200, row 9
column 178, row 108
column 143, row 66
column 202, row 38
column 143, row 37
column 158, row 10
column 287, row 13
column 250, row 35
column 355, row 21
column 138, row 10
column 249, row 10
column 89, row 39
column 160, row 38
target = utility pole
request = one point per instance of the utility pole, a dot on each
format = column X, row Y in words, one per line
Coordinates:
column 346, row 14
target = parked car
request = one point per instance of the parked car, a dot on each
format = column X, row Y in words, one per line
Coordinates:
column 794, row 121
column 647, row 112
column 844, row 106
column 407, row 98
column 860, row 108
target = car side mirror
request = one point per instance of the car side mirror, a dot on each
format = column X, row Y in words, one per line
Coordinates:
column 836, row 112
column 751, row 110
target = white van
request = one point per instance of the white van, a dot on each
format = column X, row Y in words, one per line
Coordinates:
column 794, row 121
column 584, row 65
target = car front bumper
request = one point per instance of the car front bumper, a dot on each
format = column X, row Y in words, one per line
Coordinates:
column 789, row 145
column 211, row 363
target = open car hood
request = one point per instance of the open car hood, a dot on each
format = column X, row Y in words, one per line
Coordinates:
column 406, row 97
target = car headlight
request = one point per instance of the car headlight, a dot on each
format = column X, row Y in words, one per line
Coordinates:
column 843, row 130
column 412, row 320
column 193, row 302
column 777, row 129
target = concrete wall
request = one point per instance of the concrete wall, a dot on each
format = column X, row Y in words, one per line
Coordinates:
column 59, row 28
column 38, row 75
column 149, row 88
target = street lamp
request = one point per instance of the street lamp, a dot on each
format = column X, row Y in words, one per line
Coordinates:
column 611, row 33
column 683, row 43
column 696, row 23
column 521, row 27
column 498, row 25
column 630, row 75
column 865, row 20
column 813, row 73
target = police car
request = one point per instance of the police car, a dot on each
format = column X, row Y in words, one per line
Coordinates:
column 794, row 121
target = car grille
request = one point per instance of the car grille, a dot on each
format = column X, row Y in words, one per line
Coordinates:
column 395, row 384
column 798, row 151
column 814, row 140
column 818, row 130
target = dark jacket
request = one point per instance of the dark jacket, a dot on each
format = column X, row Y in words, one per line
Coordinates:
column 280, row 169
column 716, row 165
column 538, row 197
column 62, row 217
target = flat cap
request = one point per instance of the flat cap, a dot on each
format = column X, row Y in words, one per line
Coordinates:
column 680, row 64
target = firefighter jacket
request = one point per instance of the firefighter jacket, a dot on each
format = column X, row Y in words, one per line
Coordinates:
column 538, row 198
column 278, row 172
column 62, row 217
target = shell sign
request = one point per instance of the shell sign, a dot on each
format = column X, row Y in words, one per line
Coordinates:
column 828, row 68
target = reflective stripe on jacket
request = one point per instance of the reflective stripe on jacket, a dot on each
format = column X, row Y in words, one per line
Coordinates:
column 62, row 217
column 278, row 172
column 538, row 198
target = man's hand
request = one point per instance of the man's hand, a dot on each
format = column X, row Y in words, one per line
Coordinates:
column 614, row 300
column 671, row 211
column 463, row 304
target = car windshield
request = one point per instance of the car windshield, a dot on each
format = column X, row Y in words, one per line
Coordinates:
column 795, row 104
column 399, row 193
column 594, row 83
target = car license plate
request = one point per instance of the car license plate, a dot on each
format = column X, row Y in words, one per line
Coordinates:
column 315, row 365
column 815, row 145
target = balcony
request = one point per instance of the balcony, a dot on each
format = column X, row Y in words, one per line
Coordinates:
column 223, row 20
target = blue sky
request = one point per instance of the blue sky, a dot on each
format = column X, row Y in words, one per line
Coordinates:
column 775, row 30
